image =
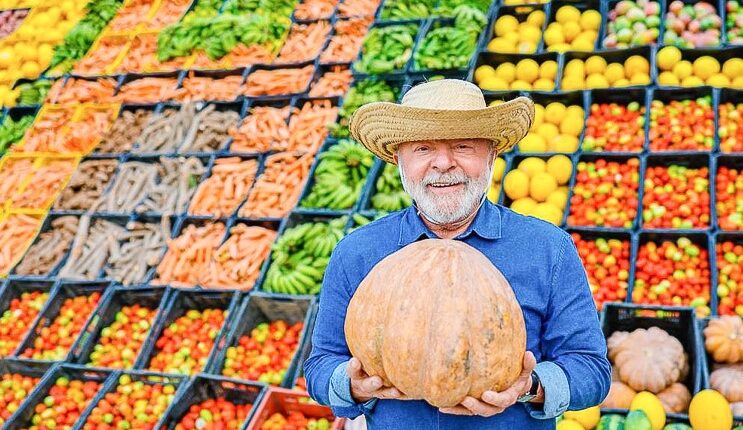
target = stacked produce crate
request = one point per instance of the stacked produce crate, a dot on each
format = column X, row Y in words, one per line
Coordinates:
column 177, row 173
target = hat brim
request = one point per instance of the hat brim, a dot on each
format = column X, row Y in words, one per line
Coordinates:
column 381, row 126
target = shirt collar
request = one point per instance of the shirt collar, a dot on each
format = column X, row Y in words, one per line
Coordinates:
column 487, row 224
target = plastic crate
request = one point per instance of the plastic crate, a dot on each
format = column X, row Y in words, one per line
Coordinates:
column 444, row 23
column 418, row 23
column 521, row 13
column 720, row 54
column 278, row 400
column 300, row 90
column 731, row 162
column 45, row 226
column 621, row 97
column 62, row 292
column 150, row 297
column 614, row 56
column 611, row 4
column 182, row 301
column 257, row 102
column 205, row 387
column 678, row 322
column 666, row 95
column 726, row 95
column 22, row 417
column 124, row 108
column 305, row 351
column 582, row 5
column 219, row 106
column 12, row 289
column 260, row 308
column 708, row 364
column 719, row 237
column 494, row 59
column 573, row 98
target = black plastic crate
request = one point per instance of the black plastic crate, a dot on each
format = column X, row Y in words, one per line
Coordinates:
column 63, row 292
column 148, row 297
column 733, row 96
column 132, row 108
column 719, row 54
column 573, row 98
column 45, row 227
column 181, row 302
column 417, row 23
column 13, row 289
column 582, row 6
column 709, row 365
column 718, row 239
column 666, row 95
column 439, row 23
column 678, row 322
column 8, row 367
column 247, row 110
column 621, row 97
column 521, row 13
column 260, row 308
column 205, row 387
column 611, row 4
column 22, row 417
column 131, row 77
column 495, row 59
column 218, row 106
column 730, row 162
column 264, row 67
column 615, row 56
column 259, row 161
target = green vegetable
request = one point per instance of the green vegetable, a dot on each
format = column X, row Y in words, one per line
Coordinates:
column 447, row 7
column 407, row 9
column 366, row 91
column 265, row 7
column 80, row 38
column 390, row 195
column 33, row 93
column 12, row 131
column 677, row 426
column 387, row 49
column 611, row 422
column 637, row 420
column 203, row 9
column 451, row 47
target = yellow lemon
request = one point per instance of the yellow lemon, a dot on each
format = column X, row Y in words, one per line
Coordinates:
column 493, row 83
column 590, row 20
column 583, row 45
column 737, row 82
column 538, row 116
column 668, row 57
column 544, row 84
column 588, row 418
column 589, row 35
column 532, row 165
column 692, row 81
column 553, row 36
column 541, row 185
column 640, row 79
column 636, row 64
column 518, row 84
column 718, row 80
column 567, row 14
column 527, row 70
column 548, row 131
column 575, row 67
column 551, row 214
column 548, row 70
column 596, row 80
column 614, row 72
column 496, row 102
column 45, row 52
column 516, row 184
column 506, row 71
column 652, row 406
column 43, row 20
column 529, row 33
column 494, row 193
column 505, row 24
column 484, row 71
column 560, row 167
column 533, row 142
column 6, row 58
column 571, row 83
column 500, row 44
column 709, row 410
column 571, row 30
column 30, row 70
column 554, row 112
column 705, row 66
column 524, row 205
column 558, row 199
column 683, row 69
column 526, row 47
column 668, row 79
column 536, row 18
column 595, row 64
column 571, row 125
column 561, row 47
column 499, row 166
column 575, row 110
column 733, row 68
column 621, row 83
column 512, row 37
column 563, row 143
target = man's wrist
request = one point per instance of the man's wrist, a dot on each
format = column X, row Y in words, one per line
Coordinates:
column 533, row 389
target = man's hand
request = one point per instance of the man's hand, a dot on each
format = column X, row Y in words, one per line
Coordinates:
column 365, row 387
column 492, row 402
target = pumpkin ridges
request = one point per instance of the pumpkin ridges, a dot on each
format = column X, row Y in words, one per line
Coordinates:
column 724, row 339
column 620, row 396
column 675, row 398
column 728, row 380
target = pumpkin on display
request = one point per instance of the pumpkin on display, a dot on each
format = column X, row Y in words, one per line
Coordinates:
column 620, row 396
column 438, row 321
column 728, row 380
column 675, row 398
column 723, row 339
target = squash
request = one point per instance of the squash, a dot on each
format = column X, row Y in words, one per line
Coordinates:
column 637, row 420
column 652, row 407
column 611, row 422
column 675, row 398
column 728, row 380
column 648, row 359
column 588, row 417
column 620, row 396
column 438, row 321
column 723, row 339
column 710, row 411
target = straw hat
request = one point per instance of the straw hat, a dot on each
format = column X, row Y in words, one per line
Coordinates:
column 441, row 109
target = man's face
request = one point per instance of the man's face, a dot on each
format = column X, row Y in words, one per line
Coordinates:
column 446, row 178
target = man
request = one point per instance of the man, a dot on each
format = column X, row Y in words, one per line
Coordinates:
column 444, row 140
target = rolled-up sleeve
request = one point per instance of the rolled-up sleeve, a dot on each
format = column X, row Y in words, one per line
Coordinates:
column 327, row 381
column 572, row 341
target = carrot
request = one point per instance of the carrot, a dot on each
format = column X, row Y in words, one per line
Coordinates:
column 311, row 10
column 309, row 127
column 48, row 131
column 243, row 56
column 96, row 61
column 13, row 172
column 237, row 263
column 204, row 88
column 345, row 45
column 16, row 234
column 279, row 81
column 130, row 15
column 169, row 13
column 188, row 255
column 333, row 83
column 229, row 184
column 142, row 57
column 82, row 91
column 45, row 184
column 265, row 129
column 148, row 90
column 304, row 42
column 353, row 8
column 278, row 189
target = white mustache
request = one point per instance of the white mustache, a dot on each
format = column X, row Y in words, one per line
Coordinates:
column 445, row 178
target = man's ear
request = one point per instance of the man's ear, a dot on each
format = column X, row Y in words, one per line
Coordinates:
column 394, row 157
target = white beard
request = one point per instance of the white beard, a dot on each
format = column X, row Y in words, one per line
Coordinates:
column 447, row 209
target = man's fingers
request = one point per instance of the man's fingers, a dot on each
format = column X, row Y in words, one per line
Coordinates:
column 371, row 384
column 530, row 362
column 387, row 393
column 354, row 369
column 503, row 399
column 480, row 408
column 456, row 410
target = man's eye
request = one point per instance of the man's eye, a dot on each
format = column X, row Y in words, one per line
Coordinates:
column 464, row 147
column 421, row 149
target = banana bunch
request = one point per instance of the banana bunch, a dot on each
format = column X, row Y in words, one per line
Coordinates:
column 339, row 177
column 387, row 49
column 390, row 195
column 301, row 255
column 407, row 9
column 451, row 47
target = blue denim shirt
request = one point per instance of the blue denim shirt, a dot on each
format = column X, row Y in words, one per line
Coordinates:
column 542, row 265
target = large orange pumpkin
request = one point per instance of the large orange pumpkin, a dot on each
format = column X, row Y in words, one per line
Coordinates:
column 438, row 321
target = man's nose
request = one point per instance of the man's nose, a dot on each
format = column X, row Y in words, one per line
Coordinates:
column 443, row 160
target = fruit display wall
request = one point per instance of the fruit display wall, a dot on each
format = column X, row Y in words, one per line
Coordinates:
column 176, row 173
